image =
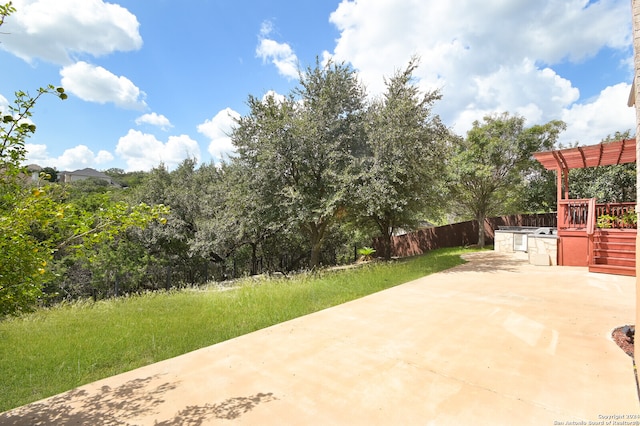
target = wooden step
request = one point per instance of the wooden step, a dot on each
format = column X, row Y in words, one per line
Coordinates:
column 615, row 236
column 615, row 270
column 614, row 252
column 624, row 241
column 613, row 248
column 616, row 231
column 629, row 244
column 624, row 254
column 614, row 261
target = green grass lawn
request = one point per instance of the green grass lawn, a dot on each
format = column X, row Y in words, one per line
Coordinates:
column 54, row 350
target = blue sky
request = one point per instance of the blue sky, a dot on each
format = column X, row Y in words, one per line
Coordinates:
column 160, row 81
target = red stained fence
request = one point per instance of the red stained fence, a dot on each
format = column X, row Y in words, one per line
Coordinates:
column 460, row 234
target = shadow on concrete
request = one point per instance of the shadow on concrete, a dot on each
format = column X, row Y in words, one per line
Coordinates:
column 108, row 406
column 124, row 404
column 230, row 409
column 488, row 262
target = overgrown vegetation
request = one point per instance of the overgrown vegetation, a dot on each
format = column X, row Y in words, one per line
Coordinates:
column 57, row 349
column 317, row 173
column 39, row 224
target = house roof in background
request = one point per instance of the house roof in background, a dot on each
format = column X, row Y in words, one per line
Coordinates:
column 87, row 172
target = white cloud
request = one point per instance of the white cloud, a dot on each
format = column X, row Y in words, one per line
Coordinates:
column 279, row 54
column 38, row 154
column 74, row 158
column 96, row 84
column 154, row 119
column 591, row 122
column 57, row 31
column 273, row 94
column 538, row 94
column 218, row 130
column 266, row 28
column 104, row 157
column 142, row 151
column 491, row 58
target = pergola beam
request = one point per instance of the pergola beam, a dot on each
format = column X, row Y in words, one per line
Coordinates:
column 603, row 154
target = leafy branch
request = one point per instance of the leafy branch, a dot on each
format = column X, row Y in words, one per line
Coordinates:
column 16, row 126
column 6, row 10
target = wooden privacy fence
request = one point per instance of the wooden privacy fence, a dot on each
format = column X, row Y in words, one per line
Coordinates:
column 460, row 234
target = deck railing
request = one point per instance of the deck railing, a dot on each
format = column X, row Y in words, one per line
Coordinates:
column 573, row 214
column 616, row 215
column 586, row 214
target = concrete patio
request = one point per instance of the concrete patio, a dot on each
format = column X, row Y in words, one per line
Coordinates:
column 494, row 341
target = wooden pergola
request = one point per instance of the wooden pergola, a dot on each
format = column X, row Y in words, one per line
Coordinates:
column 603, row 154
column 607, row 245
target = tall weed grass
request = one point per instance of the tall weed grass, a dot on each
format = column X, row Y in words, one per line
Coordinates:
column 54, row 350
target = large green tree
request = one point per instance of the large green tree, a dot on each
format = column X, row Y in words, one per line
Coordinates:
column 260, row 178
column 331, row 138
column 304, row 148
column 403, row 171
column 490, row 165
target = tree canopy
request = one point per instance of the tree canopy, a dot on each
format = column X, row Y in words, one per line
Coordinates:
column 304, row 148
column 490, row 165
column 402, row 174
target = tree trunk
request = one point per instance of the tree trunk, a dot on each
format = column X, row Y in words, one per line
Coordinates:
column 386, row 231
column 387, row 234
column 316, row 232
column 254, row 259
column 315, row 254
column 386, row 246
column 481, row 234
